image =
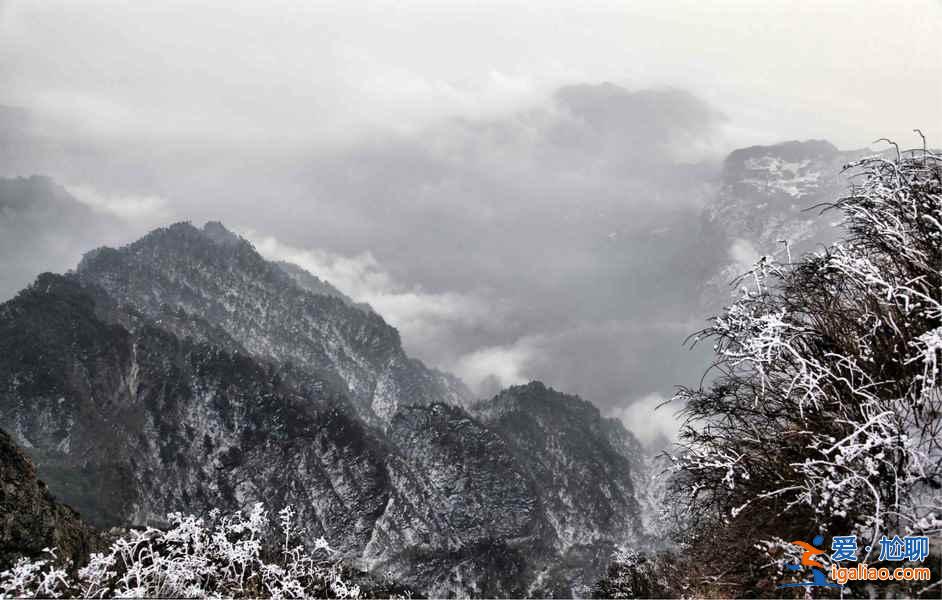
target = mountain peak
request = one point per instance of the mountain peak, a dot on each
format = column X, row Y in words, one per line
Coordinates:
column 184, row 372
column 536, row 396
column 791, row 150
column 548, row 430
column 533, row 386
column 179, row 228
column 212, row 231
column 217, row 232
column 275, row 314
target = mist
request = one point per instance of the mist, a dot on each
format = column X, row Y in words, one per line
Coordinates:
column 519, row 191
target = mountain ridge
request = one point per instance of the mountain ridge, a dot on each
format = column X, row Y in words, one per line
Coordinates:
column 132, row 386
column 283, row 321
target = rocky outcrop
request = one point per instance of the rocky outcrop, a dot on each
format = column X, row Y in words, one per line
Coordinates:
column 31, row 519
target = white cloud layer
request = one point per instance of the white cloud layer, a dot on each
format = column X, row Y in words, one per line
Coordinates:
column 496, row 366
column 653, row 422
column 457, row 164
column 419, row 315
column 148, row 209
column 743, row 254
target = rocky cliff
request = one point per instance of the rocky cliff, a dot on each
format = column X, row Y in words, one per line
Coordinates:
column 31, row 519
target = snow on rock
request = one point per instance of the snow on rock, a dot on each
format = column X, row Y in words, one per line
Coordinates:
column 185, row 373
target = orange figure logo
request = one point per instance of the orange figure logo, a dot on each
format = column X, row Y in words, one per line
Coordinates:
column 809, row 553
column 819, row 579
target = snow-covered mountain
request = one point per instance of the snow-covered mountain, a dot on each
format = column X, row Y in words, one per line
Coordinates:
column 589, row 508
column 215, row 275
column 767, row 196
column 184, row 372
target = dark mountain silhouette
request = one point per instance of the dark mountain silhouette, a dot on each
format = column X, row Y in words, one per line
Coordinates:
column 184, row 372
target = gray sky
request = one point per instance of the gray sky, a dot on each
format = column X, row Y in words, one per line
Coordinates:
column 460, row 166
column 328, row 71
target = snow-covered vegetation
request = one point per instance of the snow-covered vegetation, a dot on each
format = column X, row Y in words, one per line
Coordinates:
column 824, row 415
column 234, row 556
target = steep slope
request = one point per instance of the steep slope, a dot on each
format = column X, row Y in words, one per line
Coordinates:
column 217, row 276
column 184, row 372
column 31, row 519
column 484, row 529
column 127, row 426
column 129, row 418
column 584, row 469
column 316, row 285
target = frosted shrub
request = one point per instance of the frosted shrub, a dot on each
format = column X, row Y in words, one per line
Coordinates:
column 826, row 411
column 636, row 575
column 224, row 558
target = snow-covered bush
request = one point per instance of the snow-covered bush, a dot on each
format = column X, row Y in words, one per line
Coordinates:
column 825, row 414
column 638, row 575
column 235, row 556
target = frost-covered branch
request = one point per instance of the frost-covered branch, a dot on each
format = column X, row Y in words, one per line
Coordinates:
column 827, row 412
column 225, row 558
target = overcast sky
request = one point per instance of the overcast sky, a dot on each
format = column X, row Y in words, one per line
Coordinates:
column 320, row 70
column 515, row 185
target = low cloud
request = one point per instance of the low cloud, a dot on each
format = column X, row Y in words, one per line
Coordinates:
column 489, row 369
column 557, row 242
column 149, row 209
column 47, row 227
column 652, row 419
column 423, row 318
